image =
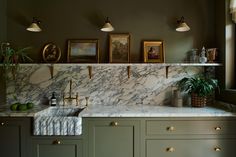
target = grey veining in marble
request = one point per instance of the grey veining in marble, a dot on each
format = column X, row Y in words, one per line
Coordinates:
column 154, row 111
column 58, row 121
column 109, row 85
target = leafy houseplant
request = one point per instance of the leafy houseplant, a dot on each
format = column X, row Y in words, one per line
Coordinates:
column 10, row 57
column 199, row 87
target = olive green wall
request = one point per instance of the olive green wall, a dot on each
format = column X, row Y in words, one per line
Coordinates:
column 144, row 20
column 2, row 39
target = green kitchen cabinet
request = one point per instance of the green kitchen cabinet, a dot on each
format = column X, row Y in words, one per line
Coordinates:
column 14, row 136
column 56, row 147
column 113, row 137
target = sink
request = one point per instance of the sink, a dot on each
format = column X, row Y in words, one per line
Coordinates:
column 58, row 121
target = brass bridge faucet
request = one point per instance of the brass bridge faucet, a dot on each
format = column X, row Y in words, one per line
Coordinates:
column 70, row 98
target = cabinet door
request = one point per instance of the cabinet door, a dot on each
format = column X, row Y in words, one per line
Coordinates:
column 13, row 140
column 191, row 148
column 56, row 148
column 113, row 138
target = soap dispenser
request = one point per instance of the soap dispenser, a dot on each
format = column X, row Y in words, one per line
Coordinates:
column 53, row 100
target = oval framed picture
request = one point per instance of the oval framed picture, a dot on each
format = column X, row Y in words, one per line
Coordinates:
column 51, row 53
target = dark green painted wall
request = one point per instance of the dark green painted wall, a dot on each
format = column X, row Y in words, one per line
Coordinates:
column 144, row 20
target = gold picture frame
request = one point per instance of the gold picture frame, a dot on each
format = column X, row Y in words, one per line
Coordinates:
column 119, row 48
column 83, row 51
column 153, row 51
column 51, row 53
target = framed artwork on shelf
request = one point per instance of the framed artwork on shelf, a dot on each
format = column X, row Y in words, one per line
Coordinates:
column 119, row 48
column 83, row 51
column 153, row 52
column 51, row 53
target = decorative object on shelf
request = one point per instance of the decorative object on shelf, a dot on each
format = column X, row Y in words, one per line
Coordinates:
column 211, row 55
column 202, row 58
column 119, row 48
column 34, row 26
column 182, row 25
column 107, row 26
column 199, row 87
column 10, row 57
column 193, row 56
column 51, row 53
column 177, row 100
column 153, row 51
column 83, row 51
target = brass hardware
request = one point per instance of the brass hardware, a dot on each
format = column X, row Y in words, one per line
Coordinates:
column 170, row 128
column 114, row 124
column 51, row 70
column 217, row 149
column 128, row 71
column 170, row 149
column 217, row 128
column 90, row 71
column 86, row 98
column 167, row 71
column 56, row 142
column 70, row 98
column 2, row 123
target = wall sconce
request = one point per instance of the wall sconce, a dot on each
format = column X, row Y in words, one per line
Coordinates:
column 34, row 27
column 182, row 26
column 107, row 26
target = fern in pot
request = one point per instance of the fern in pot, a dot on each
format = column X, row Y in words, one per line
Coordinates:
column 199, row 87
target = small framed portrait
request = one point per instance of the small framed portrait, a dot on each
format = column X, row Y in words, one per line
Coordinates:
column 83, row 51
column 51, row 53
column 119, row 48
column 153, row 51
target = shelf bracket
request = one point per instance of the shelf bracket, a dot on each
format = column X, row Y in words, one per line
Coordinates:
column 167, row 71
column 128, row 71
column 90, row 72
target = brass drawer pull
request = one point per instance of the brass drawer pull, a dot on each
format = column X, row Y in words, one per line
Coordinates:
column 170, row 128
column 218, row 128
column 56, row 142
column 217, row 149
column 114, row 124
column 170, row 149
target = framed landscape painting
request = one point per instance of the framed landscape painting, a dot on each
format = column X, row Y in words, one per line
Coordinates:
column 83, row 51
column 119, row 48
column 153, row 51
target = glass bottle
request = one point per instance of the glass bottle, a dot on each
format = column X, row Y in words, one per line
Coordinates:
column 202, row 58
column 53, row 100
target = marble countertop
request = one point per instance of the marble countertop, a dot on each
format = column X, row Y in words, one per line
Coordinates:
column 154, row 111
column 132, row 111
column 6, row 112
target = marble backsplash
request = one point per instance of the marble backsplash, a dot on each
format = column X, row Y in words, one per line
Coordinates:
column 109, row 84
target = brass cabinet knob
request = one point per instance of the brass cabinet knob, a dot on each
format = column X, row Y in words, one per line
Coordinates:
column 170, row 128
column 217, row 149
column 56, row 142
column 218, row 128
column 170, row 149
column 114, row 124
column 2, row 123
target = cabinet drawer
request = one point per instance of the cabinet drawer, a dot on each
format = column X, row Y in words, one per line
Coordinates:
column 154, row 127
column 190, row 148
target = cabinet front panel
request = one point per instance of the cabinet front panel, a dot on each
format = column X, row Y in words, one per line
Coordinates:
column 185, row 127
column 190, row 148
column 57, row 148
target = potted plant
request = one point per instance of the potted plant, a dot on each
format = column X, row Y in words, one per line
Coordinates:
column 199, row 87
column 10, row 57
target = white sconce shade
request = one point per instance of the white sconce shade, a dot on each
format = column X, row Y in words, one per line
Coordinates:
column 34, row 27
column 182, row 26
column 107, row 26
